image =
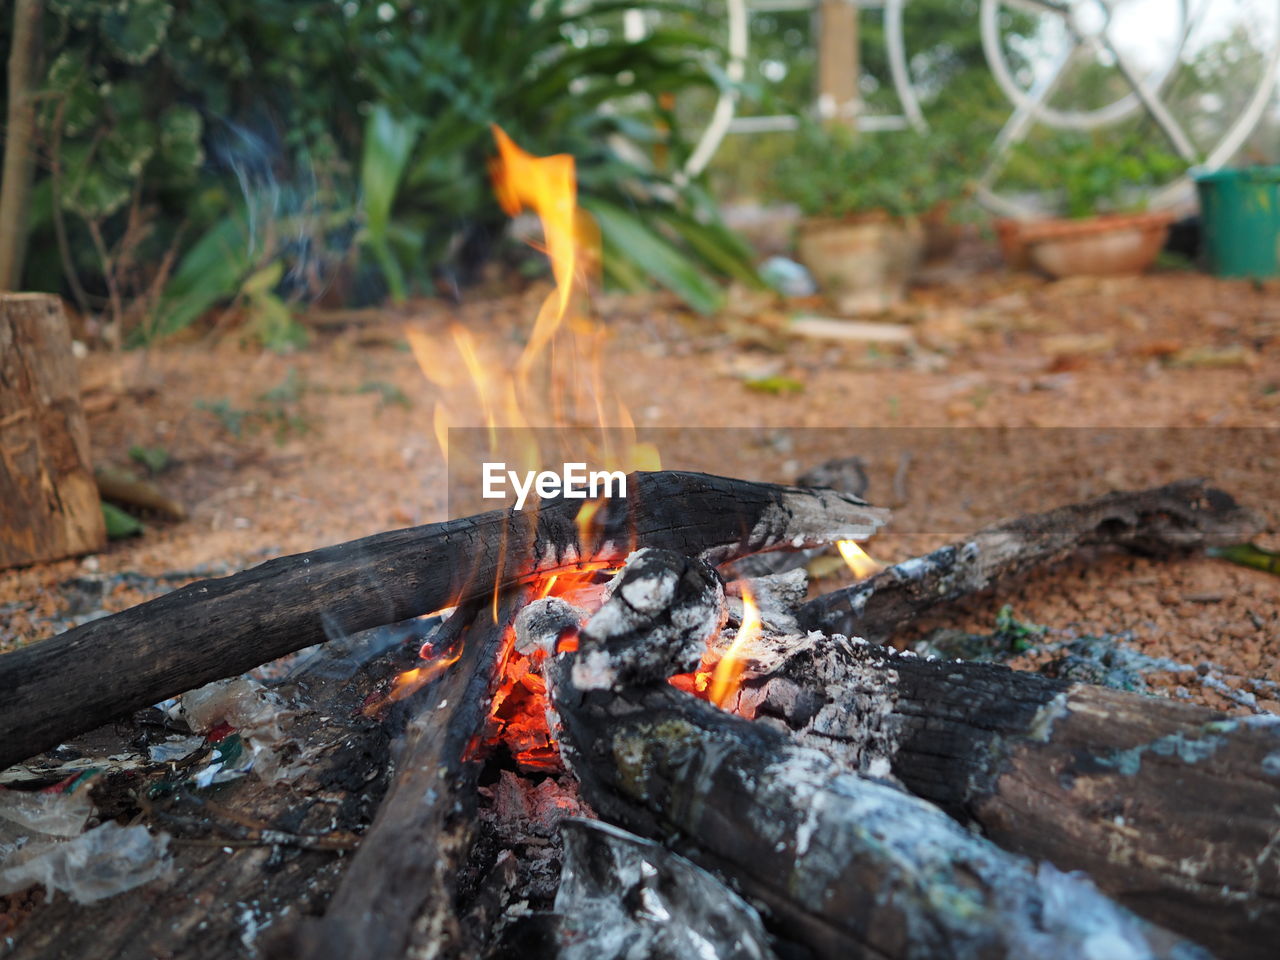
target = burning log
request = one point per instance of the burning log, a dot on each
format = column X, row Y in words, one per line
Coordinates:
column 844, row 865
column 1181, row 516
column 1170, row 808
column 400, row 889
column 210, row 629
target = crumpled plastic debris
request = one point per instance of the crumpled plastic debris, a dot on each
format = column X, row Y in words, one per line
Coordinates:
column 256, row 714
column 100, row 863
column 174, row 748
column 789, row 278
column 52, row 814
column 622, row 896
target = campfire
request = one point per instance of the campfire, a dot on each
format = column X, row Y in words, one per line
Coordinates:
column 621, row 726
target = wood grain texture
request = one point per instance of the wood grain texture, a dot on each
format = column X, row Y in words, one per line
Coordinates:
column 48, row 500
column 56, row 688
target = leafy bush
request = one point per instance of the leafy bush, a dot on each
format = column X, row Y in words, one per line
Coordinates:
column 834, row 172
column 1090, row 174
column 209, row 138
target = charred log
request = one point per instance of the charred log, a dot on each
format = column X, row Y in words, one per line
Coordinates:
column 1170, row 808
column 1181, row 516
column 844, row 865
column 400, row 890
column 210, row 629
column 661, row 611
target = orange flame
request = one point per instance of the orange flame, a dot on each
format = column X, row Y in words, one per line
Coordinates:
column 857, row 560
column 411, row 681
column 558, row 378
column 556, row 381
column 728, row 672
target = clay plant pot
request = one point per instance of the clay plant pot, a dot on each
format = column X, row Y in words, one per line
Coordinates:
column 941, row 233
column 1012, row 246
column 862, row 263
column 1112, row 245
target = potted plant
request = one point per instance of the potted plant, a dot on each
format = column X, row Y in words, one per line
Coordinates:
column 862, row 197
column 1104, row 228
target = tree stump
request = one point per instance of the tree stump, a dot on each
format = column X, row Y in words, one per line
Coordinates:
column 49, row 504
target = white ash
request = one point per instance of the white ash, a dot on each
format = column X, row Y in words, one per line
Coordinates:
column 833, row 693
column 1016, row 908
column 523, row 819
column 777, row 596
column 623, row 896
column 541, row 624
column 662, row 609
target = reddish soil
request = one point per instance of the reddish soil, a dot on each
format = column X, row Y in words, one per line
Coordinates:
column 277, row 454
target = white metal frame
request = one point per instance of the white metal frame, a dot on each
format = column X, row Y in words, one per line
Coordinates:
column 1029, row 106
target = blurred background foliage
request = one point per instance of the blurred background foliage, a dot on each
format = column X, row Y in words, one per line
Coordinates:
column 273, row 151
column 257, row 155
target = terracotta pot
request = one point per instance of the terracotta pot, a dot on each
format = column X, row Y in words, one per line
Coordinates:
column 1012, row 247
column 1098, row 246
column 861, row 263
column 941, row 233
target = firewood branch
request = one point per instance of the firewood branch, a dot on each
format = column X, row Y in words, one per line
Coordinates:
column 1181, row 516
column 57, row 688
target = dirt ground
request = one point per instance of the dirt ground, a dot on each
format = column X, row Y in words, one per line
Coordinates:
column 1067, row 389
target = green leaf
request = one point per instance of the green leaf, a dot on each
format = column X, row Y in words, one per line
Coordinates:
column 90, row 189
column 134, row 29
column 180, row 130
column 716, row 246
column 80, row 13
column 82, row 97
column 1248, row 555
column 262, row 282
column 127, row 147
column 211, row 271
column 155, row 459
column 776, row 385
column 120, row 524
column 388, row 144
column 628, row 237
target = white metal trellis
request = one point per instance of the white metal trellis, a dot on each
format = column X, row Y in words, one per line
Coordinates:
column 1087, row 27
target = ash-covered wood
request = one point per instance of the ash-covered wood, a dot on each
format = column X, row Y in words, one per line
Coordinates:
column 210, row 629
column 398, row 894
column 845, row 865
column 661, row 610
column 1181, row 516
column 1171, row 808
column 623, row 896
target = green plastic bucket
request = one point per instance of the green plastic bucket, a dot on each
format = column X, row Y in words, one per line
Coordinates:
column 1240, row 221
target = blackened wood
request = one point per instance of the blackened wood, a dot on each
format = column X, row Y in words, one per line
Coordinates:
column 845, row 865
column 1171, row 808
column 49, row 505
column 1181, row 516
column 210, row 629
column 399, row 893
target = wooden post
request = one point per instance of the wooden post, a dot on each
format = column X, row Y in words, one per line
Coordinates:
column 838, row 98
column 49, row 504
